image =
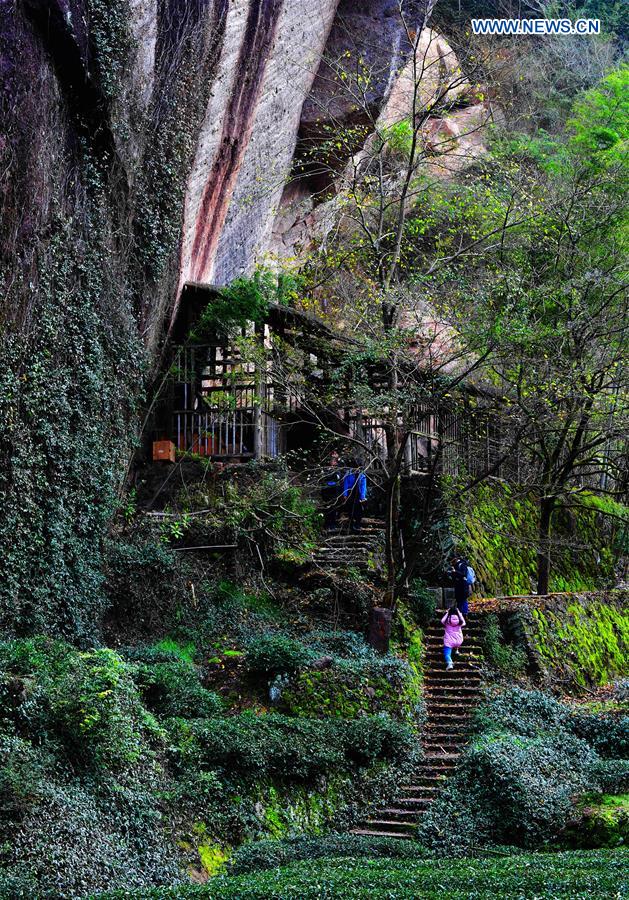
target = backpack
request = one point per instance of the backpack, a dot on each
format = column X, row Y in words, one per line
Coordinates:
column 470, row 575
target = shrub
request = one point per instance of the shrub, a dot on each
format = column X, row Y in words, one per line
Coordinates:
column 276, row 654
column 608, row 734
column 76, row 842
column 518, row 780
column 254, row 748
column 423, row 602
column 136, row 570
column 349, row 688
column 343, row 644
column 501, row 655
column 510, row 790
column 267, row 854
column 98, row 712
column 86, row 701
column 372, row 738
column 22, row 771
column 174, row 689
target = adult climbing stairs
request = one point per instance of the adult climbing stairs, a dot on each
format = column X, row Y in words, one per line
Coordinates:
column 346, row 550
column 451, row 697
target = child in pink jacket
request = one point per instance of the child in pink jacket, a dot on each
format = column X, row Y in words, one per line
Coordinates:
column 453, row 623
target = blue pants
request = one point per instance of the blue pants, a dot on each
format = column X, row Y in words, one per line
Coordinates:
column 447, row 652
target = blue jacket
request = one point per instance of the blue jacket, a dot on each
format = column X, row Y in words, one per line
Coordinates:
column 349, row 482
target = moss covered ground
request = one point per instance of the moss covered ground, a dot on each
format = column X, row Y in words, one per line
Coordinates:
column 565, row 875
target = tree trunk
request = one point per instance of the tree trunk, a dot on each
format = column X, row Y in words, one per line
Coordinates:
column 393, row 489
column 547, row 506
column 391, row 538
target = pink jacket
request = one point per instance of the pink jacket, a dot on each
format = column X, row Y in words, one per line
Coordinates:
column 453, row 635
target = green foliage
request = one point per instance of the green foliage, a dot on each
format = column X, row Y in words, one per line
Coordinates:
column 88, row 701
column 517, row 781
column 570, row 875
column 69, row 388
column 423, row 602
column 599, row 124
column 498, row 531
column 244, row 300
column 604, row 822
column 108, row 24
column 267, row 854
column 350, row 689
column 173, row 689
column 507, row 659
column 584, row 641
column 97, row 710
column 79, row 784
column 252, row 747
column 276, row 654
column 136, row 569
column 267, row 508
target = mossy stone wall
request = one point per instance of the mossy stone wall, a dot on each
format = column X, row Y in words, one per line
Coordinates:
column 496, row 527
column 580, row 639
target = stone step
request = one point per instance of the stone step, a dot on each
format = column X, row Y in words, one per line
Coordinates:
column 383, row 824
column 444, row 747
column 458, row 729
column 372, row 832
column 409, row 805
column 452, row 676
column 439, row 705
column 431, row 787
column 443, row 769
column 443, row 721
column 346, row 546
column 437, row 631
column 461, row 738
column 469, row 690
column 441, row 734
column 405, row 815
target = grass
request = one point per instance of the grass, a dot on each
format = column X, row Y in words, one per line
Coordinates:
column 559, row 875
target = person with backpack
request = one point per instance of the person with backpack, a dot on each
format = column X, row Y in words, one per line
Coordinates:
column 454, row 623
column 355, row 495
column 464, row 578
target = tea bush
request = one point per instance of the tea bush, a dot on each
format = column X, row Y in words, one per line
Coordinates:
column 253, row 747
column 267, row 854
column 518, row 780
column 277, row 653
column 559, row 875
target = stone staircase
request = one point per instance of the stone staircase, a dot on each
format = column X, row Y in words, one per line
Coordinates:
column 451, row 698
column 343, row 550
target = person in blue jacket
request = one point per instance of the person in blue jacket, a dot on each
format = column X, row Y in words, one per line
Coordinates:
column 355, row 495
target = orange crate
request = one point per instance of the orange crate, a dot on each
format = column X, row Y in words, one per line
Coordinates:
column 163, row 451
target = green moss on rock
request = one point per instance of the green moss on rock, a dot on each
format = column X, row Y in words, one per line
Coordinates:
column 603, row 822
column 583, row 639
column 497, row 529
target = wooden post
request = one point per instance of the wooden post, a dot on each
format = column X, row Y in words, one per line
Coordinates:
column 258, row 430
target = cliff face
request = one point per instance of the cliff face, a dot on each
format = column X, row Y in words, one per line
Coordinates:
column 143, row 143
